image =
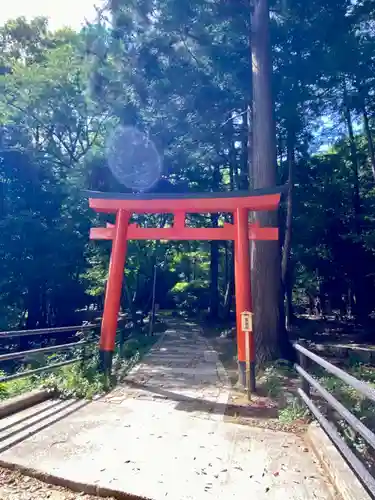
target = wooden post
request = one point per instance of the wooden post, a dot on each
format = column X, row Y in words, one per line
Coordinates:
column 113, row 291
column 247, row 329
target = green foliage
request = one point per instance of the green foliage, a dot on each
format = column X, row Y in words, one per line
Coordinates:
column 190, row 296
column 273, row 384
column 79, row 380
column 18, row 386
column 294, row 410
column 276, row 381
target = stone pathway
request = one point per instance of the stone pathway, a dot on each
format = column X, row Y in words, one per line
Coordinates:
column 162, row 435
column 183, row 371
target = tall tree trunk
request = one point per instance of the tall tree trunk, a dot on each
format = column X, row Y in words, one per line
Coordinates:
column 279, row 152
column 288, row 290
column 214, row 254
column 33, row 306
column 229, row 253
column 270, row 333
column 354, row 160
column 285, row 261
column 359, row 275
column 234, row 175
column 228, row 297
column 43, row 321
column 246, row 149
column 226, row 263
column 127, row 301
column 370, row 141
column 289, row 213
column 214, row 273
column 232, row 167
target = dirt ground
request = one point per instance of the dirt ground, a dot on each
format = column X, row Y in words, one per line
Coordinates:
column 16, row 486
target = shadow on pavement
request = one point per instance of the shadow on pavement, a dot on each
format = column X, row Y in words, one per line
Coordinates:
column 189, row 404
column 28, row 417
column 20, row 435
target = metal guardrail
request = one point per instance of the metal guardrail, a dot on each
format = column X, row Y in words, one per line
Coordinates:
column 308, row 382
column 43, row 350
column 46, row 331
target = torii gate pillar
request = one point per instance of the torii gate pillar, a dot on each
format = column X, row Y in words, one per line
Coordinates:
column 113, row 290
column 242, row 273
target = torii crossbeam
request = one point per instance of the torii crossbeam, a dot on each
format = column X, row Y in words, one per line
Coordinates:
column 238, row 203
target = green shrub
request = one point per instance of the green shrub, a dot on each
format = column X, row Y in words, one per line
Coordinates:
column 192, row 296
column 17, row 386
column 293, row 410
column 272, row 382
column 82, row 379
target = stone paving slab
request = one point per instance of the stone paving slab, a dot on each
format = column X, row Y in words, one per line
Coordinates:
column 164, row 438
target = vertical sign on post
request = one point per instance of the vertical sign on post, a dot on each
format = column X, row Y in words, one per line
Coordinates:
column 247, row 329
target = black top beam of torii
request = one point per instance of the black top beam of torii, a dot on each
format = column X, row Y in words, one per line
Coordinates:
column 150, row 195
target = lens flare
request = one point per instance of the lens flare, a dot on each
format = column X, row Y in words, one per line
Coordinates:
column 133, row 158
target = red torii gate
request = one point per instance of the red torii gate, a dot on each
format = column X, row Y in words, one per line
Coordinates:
column 124, row 205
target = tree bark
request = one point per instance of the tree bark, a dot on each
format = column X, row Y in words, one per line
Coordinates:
column 289, row 214
column 359, row 275
column 128, row 300
column 354, row 161
column 370, row 141
column 269, row 331
column 214, row 273
column 228, row 297
column 288, row 290
column 33, row 305
column 287, row 246
column 234, row 170
column 246, row 149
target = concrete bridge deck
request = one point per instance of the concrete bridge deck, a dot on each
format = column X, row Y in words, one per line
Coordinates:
column 162, row 435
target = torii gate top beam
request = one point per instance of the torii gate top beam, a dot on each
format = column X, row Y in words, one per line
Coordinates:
column 256, row 200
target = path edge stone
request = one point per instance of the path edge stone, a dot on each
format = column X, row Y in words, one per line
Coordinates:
column 75, row 486
column 24, row 401
column 223, row 399
column 338, row 471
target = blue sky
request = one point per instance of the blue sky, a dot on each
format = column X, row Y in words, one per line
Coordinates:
column 60, row 12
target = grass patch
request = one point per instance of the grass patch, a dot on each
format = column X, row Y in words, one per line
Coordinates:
column 279, row 381
column 16, row 387
column 272, row 381
column 294, row 410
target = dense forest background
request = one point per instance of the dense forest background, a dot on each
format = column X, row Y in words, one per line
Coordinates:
column 182, row 73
